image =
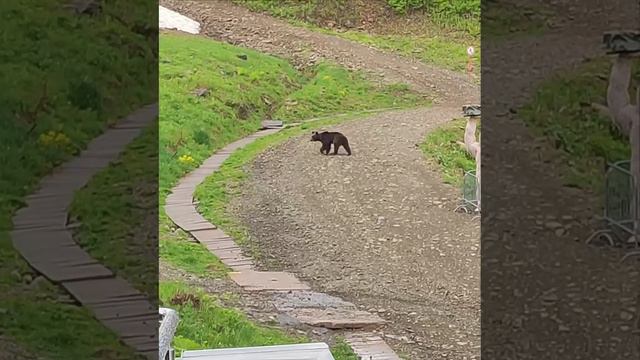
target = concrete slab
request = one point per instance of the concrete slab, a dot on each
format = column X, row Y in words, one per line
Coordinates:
column 370, row 346
column 337, row 318
column 267, row 281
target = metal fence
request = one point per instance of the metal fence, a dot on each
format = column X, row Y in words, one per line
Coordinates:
column 469, row 199
column 619, row 206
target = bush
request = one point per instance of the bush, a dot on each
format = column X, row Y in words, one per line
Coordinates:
column 448, row 8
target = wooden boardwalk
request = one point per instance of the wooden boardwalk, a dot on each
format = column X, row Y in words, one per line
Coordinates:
column 183, row 212
column 41, row 236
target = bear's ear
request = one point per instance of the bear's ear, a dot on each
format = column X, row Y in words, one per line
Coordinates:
column 314, row 132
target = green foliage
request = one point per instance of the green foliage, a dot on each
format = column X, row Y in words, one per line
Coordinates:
column 559, row 113
column 342, row 351
column 189, row 256
column 201, row 137
column 442, row 147
column 459, row 14
column 59, row 72
column 205, row 324
column 333, row 89
column 508, row 20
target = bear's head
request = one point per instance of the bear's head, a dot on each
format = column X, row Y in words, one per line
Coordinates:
column 315, row 136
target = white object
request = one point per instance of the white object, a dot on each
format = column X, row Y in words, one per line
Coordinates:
column 313, row 351
column 172, row 20
column 470, row 51
column 168, row 324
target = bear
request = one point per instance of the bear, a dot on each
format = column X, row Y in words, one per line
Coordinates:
column 327, row 138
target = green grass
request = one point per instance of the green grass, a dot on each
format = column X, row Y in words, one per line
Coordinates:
column 330, row 89
column 442, row 42
column 435, row 49
column 560, row 112
column 189, row 256
column 508, row 20
column 74, row 59
column 243, row 93
column 441, row 146
column 205, row 324
column 117, row 213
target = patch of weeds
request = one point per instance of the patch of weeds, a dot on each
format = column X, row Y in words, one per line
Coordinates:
column 205, row 324
column 337, row 90
column 189, row 256
column 561, row 113
column 509, row 20
column 342, row 351
column 441, row 146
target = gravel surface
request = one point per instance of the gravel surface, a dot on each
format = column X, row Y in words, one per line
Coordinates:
column 376, row 228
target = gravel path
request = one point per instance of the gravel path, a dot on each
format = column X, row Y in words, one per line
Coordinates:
column 376, row 228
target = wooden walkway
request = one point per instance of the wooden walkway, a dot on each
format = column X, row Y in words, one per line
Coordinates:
column 41, row 236
column 183, row 212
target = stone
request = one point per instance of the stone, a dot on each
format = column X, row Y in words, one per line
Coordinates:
column 337, row 318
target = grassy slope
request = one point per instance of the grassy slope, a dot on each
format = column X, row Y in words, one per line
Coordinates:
column 588, row 140
column 441, row 146
column 244, row 92
column 431, row 43
column 75, row 57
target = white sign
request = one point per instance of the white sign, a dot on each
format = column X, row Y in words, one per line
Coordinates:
column 470, row 51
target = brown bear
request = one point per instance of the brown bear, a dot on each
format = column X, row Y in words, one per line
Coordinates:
column 327, row 138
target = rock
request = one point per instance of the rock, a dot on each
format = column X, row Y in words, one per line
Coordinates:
column 201, row 92
column 626, row 316
column 242, row 57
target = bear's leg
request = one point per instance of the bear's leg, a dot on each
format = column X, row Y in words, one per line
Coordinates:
column 335, row 149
